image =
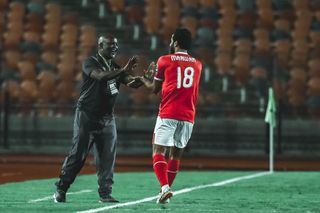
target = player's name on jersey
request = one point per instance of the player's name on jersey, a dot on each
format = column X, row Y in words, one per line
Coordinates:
column 182, row 58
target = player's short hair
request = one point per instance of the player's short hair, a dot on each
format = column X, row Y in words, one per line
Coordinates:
column 183, row 37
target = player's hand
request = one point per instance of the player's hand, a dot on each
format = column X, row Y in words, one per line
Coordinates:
column 143, row 79
column 131, row 64
column 150, row 72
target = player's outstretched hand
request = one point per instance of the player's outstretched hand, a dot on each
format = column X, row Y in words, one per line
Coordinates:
column 143, row 79
column 131, row 64
column 139, row 81
column 150, row 72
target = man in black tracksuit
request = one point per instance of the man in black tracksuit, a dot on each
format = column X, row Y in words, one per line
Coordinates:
column 94, row 123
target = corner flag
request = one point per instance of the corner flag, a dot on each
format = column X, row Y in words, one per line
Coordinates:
column 271, row 110
column 271, row 119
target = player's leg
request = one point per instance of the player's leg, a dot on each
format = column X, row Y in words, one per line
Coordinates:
column 105, row 143
column 175, row 155
column 160, row 164
column 162, row 138
column 77, row 155
column 181, row 137
column 160, row 169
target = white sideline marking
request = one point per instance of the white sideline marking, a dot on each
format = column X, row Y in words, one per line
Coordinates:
column 221, row 183
column 50, row 197
column 10, row 174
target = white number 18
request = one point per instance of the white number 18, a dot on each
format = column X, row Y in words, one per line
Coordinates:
column 187, row 80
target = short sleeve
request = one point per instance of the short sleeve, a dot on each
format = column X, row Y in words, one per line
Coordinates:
column 160, row 69
column 88, row 66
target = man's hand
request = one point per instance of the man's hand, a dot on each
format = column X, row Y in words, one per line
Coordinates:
column 135, row 82
column 131, row 64
column 101, row 75
column 138, row 80
column 144, row 80
column 154, row 85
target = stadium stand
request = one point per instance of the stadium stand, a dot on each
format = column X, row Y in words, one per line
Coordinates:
column 245, row 45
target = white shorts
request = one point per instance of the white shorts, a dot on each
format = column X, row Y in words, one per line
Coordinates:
column 171, row 132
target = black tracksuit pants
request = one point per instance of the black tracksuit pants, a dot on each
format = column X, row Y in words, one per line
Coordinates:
column 91, row 130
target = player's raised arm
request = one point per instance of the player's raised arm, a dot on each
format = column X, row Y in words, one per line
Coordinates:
column 148, row 79
column 153, row 85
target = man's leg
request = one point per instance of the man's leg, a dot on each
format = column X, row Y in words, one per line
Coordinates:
column 105, row 144
column 174, row 163
column 76, row 157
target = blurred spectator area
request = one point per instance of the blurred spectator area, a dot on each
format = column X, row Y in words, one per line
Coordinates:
column 245, row 47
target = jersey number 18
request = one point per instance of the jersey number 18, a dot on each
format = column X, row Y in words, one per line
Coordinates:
column 187, row 80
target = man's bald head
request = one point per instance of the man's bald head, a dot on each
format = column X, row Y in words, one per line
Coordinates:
column 108, row 46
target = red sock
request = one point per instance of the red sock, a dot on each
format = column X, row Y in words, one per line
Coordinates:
column 160, row 168
column 173, row 168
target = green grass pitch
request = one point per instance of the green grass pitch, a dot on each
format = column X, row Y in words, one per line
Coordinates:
column 287, row 192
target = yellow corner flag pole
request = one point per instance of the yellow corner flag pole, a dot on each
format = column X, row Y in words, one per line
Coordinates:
column 271, row 119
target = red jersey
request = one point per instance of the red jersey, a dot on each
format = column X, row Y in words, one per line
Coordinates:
column 180, row 74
